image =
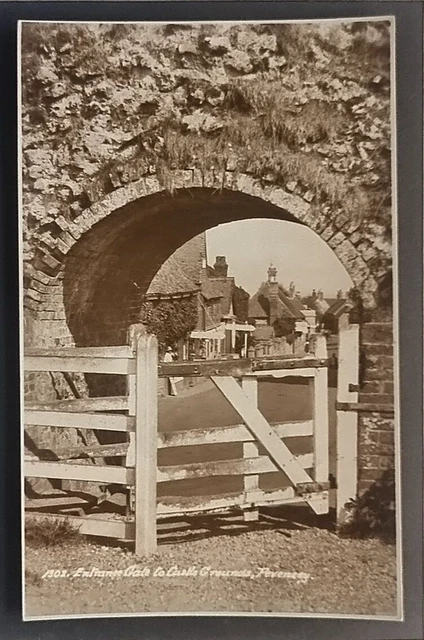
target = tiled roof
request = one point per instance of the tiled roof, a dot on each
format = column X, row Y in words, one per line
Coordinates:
column 292, row 306
column 298, row 303
column 219, row 287
column 211, row 289
column 337, row 308
column 309, row 302
column 171, row 279
column 331, row 301
column 259, row 304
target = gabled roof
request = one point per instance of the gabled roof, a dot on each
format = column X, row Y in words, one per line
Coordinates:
column 337, row 308
column 219, row 287
column 321, row 305
column 331, row 301
column 258, row 306
column 309, row 301
column 298, row 303
column 211, row 289
column 172, row 279
column 286, row 307
column 181, row 272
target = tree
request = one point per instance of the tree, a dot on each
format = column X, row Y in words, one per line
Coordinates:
column 169, row 320
column 241, row 304
column 283, row 326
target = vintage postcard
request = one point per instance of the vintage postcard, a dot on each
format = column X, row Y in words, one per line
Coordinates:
column 209, row 319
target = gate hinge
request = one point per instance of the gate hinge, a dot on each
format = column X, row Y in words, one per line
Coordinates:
column 353, row 388
column 366, row 407
column 311, row 487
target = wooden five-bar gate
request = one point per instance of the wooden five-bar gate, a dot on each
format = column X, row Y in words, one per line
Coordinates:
column 136, row 414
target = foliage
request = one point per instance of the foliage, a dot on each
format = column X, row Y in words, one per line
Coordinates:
column 241, row 304
column 169, row 320
column 373, row 513
column 46, row 532
column 283, row 326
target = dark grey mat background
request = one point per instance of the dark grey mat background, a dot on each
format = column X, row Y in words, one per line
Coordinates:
column 409, row 115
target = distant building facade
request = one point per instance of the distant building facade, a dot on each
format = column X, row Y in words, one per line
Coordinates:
column 329, row 311
column 222, row 327
column 222, row 307
column 282, row 322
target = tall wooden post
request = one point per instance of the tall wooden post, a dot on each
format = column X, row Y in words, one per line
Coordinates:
column 320, row 414
column 250, row 450
column 347, row 421
column 146, row 444
column 134, row 332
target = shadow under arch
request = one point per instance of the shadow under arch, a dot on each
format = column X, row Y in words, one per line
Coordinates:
column 125, row 250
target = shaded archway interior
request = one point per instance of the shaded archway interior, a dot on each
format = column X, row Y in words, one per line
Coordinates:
column 111, row 267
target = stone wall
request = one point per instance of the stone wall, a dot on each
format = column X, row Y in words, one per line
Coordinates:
column 376, row 428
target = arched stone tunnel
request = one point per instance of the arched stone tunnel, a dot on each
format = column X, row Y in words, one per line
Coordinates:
column 112, row 265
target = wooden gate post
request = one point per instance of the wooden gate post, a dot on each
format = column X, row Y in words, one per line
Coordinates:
column 146, row 426
column 250, row 450
column 320, row 414
column 134, row 332
column 347, row 421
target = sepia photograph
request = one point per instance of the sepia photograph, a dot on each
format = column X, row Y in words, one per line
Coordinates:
column 209, row 318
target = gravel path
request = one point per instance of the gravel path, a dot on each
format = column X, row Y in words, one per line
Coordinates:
column 321, row 574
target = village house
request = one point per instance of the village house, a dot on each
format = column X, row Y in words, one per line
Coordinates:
column 221, row 327
column 329, row 311
column 283, row 323
column 335, row 314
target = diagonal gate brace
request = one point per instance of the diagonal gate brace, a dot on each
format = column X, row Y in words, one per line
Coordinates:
column 265, row 434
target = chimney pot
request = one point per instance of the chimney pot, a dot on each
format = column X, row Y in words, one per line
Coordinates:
column 272, row 274
column 221, row 266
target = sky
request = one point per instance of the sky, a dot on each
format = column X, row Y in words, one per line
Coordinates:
column 297, row 252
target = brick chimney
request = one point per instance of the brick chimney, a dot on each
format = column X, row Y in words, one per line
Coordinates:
column 221, row 267
column 339, row 294
column 292, row 290
column 272, row 294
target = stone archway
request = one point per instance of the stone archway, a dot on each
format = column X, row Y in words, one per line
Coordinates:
column 125, row 235
column 133, row 204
